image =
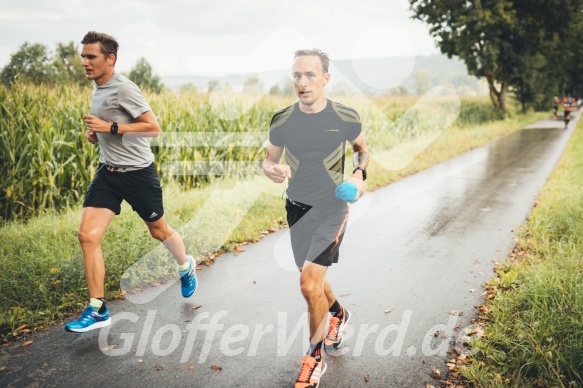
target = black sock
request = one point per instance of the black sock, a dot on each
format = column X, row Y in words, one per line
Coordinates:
column 316, row 350
column 336, row 309
column 102, row 308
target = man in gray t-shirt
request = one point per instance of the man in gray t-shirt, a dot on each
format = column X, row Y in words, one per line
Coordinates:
column 126, row 172
column 119, row 100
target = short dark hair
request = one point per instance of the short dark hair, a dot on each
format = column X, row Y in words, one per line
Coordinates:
column 109, row 44
column 318, row 53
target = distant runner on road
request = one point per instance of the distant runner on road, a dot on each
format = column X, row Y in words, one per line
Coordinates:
column 313, row 132
column 126, row 172
column 568, row 104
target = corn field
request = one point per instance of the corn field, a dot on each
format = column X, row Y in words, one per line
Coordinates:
column 46, row 163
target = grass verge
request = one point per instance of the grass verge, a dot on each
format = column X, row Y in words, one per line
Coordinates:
column 533, row 325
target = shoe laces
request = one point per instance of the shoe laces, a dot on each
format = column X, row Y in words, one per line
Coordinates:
column 88, row 312
column 186, row 279
column 308, row 365
column 333, row 329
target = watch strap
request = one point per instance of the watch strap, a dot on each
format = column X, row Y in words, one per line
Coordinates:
column 363, row 172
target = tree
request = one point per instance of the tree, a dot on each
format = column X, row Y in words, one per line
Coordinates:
column 422, row 81
column 288, row 87
column 212, row 85
column 253, row 85
column 35, row 63
column 572, row 50
column 516, row 46
column 481, row 33
column 142, row 75
column 546, row 34
column 530, row 84
column 68, row 64
column 398, row 91
column 188, row 88
column 342, row 89
column 275, row 90
column 30, row 63
column 227, row 88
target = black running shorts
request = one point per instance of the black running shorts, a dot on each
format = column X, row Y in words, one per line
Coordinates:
column 316, row 232
column 140, row 188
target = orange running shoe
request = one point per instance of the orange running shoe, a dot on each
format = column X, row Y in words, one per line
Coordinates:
column 310, row 373
column 337, row 325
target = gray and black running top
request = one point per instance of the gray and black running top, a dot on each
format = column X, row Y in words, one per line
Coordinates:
column 314, row 148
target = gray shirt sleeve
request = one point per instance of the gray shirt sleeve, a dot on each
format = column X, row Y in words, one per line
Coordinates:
column 130, row 98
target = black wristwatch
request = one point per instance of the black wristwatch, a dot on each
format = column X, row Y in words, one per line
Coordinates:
column 363, row 172
column 113, row 129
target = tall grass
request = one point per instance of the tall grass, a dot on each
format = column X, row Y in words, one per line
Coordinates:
column 41, row 271
column 189, row 113
column 46, row 163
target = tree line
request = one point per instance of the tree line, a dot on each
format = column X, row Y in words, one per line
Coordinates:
column 35, row 63
column 530, row 49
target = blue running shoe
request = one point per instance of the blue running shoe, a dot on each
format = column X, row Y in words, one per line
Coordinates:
column 89, row 320
column 188, row 280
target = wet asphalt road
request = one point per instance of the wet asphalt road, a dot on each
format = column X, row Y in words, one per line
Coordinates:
column 412, row 263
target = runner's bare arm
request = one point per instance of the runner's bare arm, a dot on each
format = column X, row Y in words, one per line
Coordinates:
column 146, row 123
column 271, row 167
column 360, row 159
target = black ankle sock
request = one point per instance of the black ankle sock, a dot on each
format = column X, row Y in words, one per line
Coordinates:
column 102, row 309
column 336, row 309
column 316, row 350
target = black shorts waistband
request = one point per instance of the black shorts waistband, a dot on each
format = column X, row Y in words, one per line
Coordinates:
column 303, row 206
column 334, row 204
column 111, row 168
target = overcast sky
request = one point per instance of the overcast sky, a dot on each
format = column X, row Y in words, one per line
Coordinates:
column 180, row 37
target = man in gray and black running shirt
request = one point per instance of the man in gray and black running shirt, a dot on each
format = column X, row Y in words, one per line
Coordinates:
column 313, row 133
column 126, row 172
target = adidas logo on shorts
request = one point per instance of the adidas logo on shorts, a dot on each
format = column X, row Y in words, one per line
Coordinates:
column 154, row 214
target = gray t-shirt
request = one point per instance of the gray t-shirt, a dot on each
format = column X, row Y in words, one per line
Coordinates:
column 121, row 101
